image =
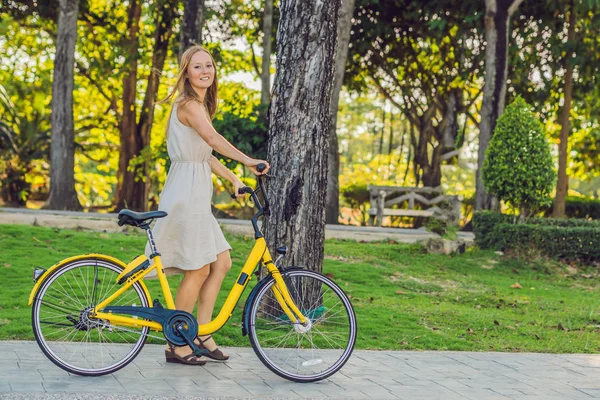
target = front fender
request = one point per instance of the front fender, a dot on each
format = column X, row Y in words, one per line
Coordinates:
column 69, row 260
column 254, row 292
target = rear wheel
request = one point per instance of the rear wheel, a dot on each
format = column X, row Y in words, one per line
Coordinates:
column 303, row 353
column 67, row 334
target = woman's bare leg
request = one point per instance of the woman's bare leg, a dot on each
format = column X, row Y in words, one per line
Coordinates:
column 187, row 294
column 210, row 290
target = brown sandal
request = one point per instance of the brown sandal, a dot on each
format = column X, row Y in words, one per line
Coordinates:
column 216, row 354
column 190, row 359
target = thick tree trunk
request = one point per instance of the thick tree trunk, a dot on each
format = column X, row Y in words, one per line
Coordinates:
column 333, row 159
column 62, row 150
column 162, row 35
column 563, row 179
column 191, row 25
column 498, row 13
column 125, row 178
column 265, row 73
column 300, row 124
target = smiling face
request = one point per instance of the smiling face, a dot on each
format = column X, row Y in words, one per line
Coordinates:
column 201, row 71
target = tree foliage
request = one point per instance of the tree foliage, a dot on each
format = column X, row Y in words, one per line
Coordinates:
column 518, row 167
column 424, row 57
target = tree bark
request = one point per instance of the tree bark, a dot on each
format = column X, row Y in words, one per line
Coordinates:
column 125, row 178
column 265, row 73
column 299, row 129
column 191, row 25
column 563, row 179
column 333, row 159
column 497, row 17
column 62, row 151
column 162, row 35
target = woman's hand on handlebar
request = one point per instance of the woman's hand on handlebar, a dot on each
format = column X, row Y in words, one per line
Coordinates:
column 237, row 189
column 253, row 165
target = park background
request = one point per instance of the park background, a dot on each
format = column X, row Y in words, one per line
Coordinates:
column 414, row 103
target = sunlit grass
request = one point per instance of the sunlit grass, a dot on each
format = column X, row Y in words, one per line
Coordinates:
column 403, row 297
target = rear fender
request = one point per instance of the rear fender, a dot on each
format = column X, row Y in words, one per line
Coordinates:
column 70, row 260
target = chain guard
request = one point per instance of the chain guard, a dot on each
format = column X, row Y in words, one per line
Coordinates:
column 179, row 327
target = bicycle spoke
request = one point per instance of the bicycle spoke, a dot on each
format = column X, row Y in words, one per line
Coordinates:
column 75, row 341
column 304, row 352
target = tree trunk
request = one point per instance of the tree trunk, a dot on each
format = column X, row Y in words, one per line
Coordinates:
column 265, row 73
column 333, row 159
column 62, row 149
column 125, row 178
column 191, row 25
column 166, row 11
column 299, row 129
column 391, row 137
column 563, row 179
column 382, row 130
column 497, row 17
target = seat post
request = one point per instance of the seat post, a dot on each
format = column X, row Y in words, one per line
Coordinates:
column 151, row 241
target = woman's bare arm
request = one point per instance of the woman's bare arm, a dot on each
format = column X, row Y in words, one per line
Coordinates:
column 194, row 114
column 222, row 171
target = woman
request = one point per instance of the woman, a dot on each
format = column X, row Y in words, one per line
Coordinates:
column 190, row 240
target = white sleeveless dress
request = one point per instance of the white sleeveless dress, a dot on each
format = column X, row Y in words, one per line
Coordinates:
column 189, row 237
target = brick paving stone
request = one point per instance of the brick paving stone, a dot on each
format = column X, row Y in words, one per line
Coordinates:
column 478, row 394
column 4, row 386
column 410, row 375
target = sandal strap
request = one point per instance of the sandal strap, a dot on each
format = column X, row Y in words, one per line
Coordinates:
column 188, row 357
column 203, row 341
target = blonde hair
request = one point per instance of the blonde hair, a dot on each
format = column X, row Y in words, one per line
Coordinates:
column 184, row 88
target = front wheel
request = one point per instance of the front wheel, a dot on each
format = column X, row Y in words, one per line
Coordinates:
column 303, row 353
column 64, row 329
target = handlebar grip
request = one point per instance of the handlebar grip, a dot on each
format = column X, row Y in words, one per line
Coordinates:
column 243, row 190
column 261, row 167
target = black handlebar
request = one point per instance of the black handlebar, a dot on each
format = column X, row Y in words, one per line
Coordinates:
column 260, row 168
column 243, row 190
column 262, row 209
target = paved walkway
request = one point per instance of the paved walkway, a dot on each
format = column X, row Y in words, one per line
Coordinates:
column 108, row 223
column 25, row 373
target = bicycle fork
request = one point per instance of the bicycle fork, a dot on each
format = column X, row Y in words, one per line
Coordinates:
column 283, row 297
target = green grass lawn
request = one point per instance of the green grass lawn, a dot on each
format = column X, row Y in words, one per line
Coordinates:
column 403, row 297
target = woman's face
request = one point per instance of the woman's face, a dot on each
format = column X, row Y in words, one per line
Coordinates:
column 201, row 71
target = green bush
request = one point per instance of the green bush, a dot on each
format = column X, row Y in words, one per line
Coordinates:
column 518, row 166
column 554, row 237
column 577, row 207
column 483, row 225
column 570, row 243
column 357, row 196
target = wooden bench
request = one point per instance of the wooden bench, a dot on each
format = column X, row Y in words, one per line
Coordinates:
column 432, row 200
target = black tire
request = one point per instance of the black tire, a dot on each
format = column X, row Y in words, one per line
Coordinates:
column 60, row 304
column 272, row 333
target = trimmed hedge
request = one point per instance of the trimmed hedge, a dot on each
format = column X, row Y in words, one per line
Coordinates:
column 577, row 207
column 558, row 238
column 582, row 208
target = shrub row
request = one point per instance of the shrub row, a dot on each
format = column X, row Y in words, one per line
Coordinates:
column 576, row 207
column 557, row 238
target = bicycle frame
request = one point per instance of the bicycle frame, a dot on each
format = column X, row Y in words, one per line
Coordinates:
column 259, row 254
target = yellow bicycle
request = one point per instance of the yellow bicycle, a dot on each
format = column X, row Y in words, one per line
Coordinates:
column 92, row 313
